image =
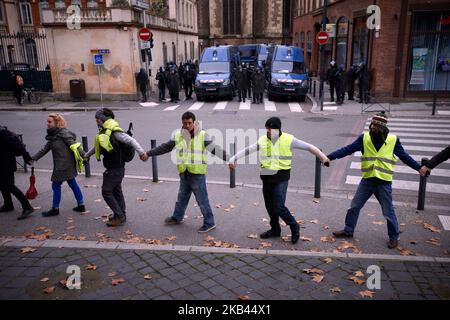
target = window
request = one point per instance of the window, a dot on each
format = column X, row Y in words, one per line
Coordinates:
column 25, row 12
column 287, row 15
column 185, row 51
column 174, row 52
column 31, row 52
column 164, row 49
column 341, row 41
column 360, row 40
column 302, row 40
column 92, row 4
column 309, row 42
column 231, row 16
column 2, row 14
column 60, row 4
column 430, row 52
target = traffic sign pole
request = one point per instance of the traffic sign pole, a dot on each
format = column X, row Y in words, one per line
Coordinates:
column 322, row 56
column 146, row 56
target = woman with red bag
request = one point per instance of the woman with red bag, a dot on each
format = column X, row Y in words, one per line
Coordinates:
column 10, row 148
column 59, row 140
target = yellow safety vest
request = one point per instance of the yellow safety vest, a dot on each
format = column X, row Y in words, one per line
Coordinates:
column 276, row 156
column 378, row 164
column 193, row 157
column 103, row 137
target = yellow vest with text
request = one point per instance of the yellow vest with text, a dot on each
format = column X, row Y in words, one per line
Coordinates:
column 191, row 157
column 276, row 156
column 378, row 164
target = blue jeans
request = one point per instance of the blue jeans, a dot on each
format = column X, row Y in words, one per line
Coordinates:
column 274, row 198
column 56, row 187
column 383, row 193
column 193, row 183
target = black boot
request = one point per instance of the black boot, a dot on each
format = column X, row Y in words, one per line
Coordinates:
column 295, row 233
column 80, row 208
column 25, row 213
column 50, row 213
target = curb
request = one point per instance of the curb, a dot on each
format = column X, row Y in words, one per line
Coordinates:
column 22, row 242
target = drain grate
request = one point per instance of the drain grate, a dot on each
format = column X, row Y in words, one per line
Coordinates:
column 445, row 221
column 347, row 135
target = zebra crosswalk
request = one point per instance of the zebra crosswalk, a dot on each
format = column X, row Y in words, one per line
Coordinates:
column 266, row 106
column 421, row 138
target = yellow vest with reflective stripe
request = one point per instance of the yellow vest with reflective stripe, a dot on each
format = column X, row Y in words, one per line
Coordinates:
column 193, row 157
column 276, row 156
column 378, row 164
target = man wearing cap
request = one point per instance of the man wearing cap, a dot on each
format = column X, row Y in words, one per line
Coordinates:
column 107, row 143
column 275, row 149
column 378, row 150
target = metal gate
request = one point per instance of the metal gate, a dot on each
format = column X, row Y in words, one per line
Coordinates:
column 25, row 54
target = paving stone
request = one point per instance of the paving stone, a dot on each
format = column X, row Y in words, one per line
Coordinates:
column 400, row 276
column 406, row 287
column 217, row 290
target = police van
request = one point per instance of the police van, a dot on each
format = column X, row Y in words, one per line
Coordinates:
column 216, row 73
column 253, row 54
column 286, row 73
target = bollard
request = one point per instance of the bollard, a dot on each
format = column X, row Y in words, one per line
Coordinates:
column 154, row 162
column 317, row 178
column 309, row 85
column 422, row 188
column 233, row 172
column 433, row 112
column 25, row 167
column 314, row 89
column 87, row 166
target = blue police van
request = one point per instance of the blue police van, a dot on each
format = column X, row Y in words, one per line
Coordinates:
column 216, row 73
column 253, row 54
column 286, row 73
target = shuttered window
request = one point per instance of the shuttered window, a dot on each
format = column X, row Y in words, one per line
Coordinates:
column 231, row 16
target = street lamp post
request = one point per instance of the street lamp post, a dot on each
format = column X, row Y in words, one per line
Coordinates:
column 322, row 56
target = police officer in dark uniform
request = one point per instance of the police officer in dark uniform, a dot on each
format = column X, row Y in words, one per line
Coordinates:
column 349, row 79
column 242, row 83
column 258, row 85
column 339, row 85
column 364, row 83
column 331, row 80
column 161, row 77
column 173, row 84
column 189, row 76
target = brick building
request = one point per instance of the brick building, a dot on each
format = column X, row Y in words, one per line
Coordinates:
column 244, row 21
column 409, row 54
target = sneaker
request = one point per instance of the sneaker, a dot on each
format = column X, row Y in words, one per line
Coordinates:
column 50, row 213
column 270, row 234
column 6, row 209
column 80, row 208
column 115, row 222
column 171, row 220
column 342, row 234
column 25, row 213
column 204, row 229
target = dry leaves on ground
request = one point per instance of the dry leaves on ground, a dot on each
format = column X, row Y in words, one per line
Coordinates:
column 145, row 190
column 98, row 200
column 315, row 221
column 49, row 290
column 367, row 293
column 171, row 238
column 313, row 270
column 244, row 297
column 91, row 266
column 413, row 242
column 405, row 252
column 315, row 200
column 265, row 245
column 306, row 239
column 117, row 281
column 91, row 186
column 336, row 290
column 431, row 227
column 252, row 236
column 328, row 239
column 356, row 280
column 358, row 273
column 27, row 250
column 141, row 199
column 112, row 274
column 378, row 223
column 44, row 279
column 328, row 260
column 148, row 277
column 208, row 238
column 317, row 278
column 434, row 241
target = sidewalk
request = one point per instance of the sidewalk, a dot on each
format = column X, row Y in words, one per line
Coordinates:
column 226, row 263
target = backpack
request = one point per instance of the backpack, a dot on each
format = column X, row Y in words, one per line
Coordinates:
column 125, row 150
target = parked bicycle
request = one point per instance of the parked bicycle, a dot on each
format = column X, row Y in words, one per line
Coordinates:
column 32, row 95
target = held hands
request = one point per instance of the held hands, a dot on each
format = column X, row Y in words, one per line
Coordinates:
column 326, row 163
column 232, row 165
column 144, row 157
column 424, row 171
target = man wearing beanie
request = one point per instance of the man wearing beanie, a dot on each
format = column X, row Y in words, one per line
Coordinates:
column 108, row 144
column 275, row 149
column 378, row 150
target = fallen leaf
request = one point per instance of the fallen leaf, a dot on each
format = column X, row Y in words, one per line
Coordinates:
column 315, row 200
column 90, row 186
column 117, row 281
column 326, row 227
column 91, row 266
column 300, row 221
column 328, row 239
column 413, row 242
column 356, row 280
column 195, row 205
column 99, row 235
column 244, row 298
column 199, row 217
column 336, row 290
column 85, row 212
column 431, row 228
column 286, row 238
column 141, row 199
column 256, row 204
column 40, row 228
column 148, row 277
column 49, row 290
column 128, row 232
column 346, row 245
column 145, row 190
column 265, row 245
column 37, row 208
column 44, row 279
column 314, row 221
column 402, row 224
column 227, row 209
column 209, row 238
column 434, row 241
column 371, row 215
column 265, row 220
column 367, row 293
column 218, row 205
column 305, row 239
column 63, row 283
column 98, row 200
column 112, row 274
column 70, row 228
column 81, row 238
column 358, row 274
column 317, row 278
column 171, row 238
column 378, row 223
column 232, row 206
column 252, row 236
column 328, row 260
column 27, row 250
column 405, row 252
column 313, row 270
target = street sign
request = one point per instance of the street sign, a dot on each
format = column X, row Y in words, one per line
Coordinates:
column 322, row 37
column 140, row 4
column 145, row 45
column 98, row 59
column 145, row 34
column 100, row 51
column 331, row 30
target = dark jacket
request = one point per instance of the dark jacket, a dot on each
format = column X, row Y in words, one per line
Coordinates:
column 59, row 141
column 142, row 78
column 241, row 80
column 161, row 80
column 331, row 74
column 258, row 82
column 10, row 147
column 173, row 82
column 439, row 158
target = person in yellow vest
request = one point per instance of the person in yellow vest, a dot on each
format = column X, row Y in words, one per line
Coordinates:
column 275, row 149
column 190, row 144
column 379, row 151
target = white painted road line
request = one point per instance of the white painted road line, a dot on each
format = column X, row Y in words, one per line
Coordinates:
column 444, row 112
column 269, row 105
column 399, row 129
column 172, row 108
column 417, row 120
column 405, row 169
column 149, row 104
column 416, row 125
column 221, row 105
column 425, row 135
column 330, row 108
column 445, row 221
column 196, row 106
column 295, row 107
column 416, row 157
column 329, row 103
column 245, row 105
column 422, row 148
column 432, row 141
column 407, row 185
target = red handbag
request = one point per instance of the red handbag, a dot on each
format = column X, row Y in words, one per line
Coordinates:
column 32, row 192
